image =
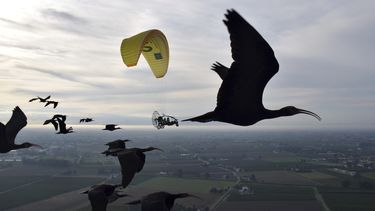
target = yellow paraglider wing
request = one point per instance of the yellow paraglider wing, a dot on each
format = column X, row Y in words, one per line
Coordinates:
column 154, row 47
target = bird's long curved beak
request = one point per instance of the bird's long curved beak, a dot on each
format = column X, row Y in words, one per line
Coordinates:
column 310, row 113
column 158, row 149
column 37, row 145
column 194, row 196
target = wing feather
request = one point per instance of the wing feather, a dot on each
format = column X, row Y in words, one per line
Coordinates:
column 15, row 124
column 254, row 65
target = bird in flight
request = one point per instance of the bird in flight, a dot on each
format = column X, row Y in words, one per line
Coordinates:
column 159, row 201
column 132, row 161
column 239, row 99
column 9, row 132
column 41, row 100
column 115, row 147
column 111, row 127
column 58, row 122
column 86, row 120
column 54, row 103
column 101, row 195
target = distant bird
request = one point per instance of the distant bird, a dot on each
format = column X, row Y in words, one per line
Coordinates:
column 86, row 120
column 54, row 103
column 101, row 195
column 52, row 121
column 115, row 147
column 111, row 127
column 41, row 100
column 58, row 122
column 132, row 161
column 9, row 132
column 239, row 100
column 159, row 201
column 62, row 125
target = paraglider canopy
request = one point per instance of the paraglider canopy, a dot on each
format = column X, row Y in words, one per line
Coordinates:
column 154, row 47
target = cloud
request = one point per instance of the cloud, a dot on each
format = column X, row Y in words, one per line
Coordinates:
column 71, row 50
column 61, row 16
column 59, row 74
column 17, row 24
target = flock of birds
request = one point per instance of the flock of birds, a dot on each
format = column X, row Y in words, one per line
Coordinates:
column 239, row 102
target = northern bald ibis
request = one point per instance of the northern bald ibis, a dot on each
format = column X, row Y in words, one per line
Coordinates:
column 132, row 161
column 239, row 99
column 9, row 132
column 101, row 195
column 160, row 201
column 115, row 146
column 111, row 127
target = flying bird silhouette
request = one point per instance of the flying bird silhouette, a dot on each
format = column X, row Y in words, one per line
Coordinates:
column 111, row 127
column 239, row 99
column 62, row 126
column 58, row 122
column 101, row 195
column 132, row 161
column 159, row 201
column 115, row 147
column 41, row 100
column 54, row 103
column 86, row 120
column 9, row 132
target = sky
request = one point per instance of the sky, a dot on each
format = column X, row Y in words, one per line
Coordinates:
column 71, row 50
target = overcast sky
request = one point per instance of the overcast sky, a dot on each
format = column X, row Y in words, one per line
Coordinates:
column 71, row 50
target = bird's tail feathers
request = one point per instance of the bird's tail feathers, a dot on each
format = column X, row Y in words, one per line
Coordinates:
column 207, row 117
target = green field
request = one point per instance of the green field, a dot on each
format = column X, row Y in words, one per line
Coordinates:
column 188, row 185
column 265, row 192
column 316, row 175
column 8, row 182
column 347, row 201
column 370, row 175
column 42, row 189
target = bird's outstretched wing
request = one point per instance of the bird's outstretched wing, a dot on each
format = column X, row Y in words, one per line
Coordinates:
column 98, row 200
column 59, row 116
column 254, row 65
column 48, row 102
column 54, row 103
column 55, row 124
column 130, row 164
column 15, row 124
column 33, row 99
column 220, row 69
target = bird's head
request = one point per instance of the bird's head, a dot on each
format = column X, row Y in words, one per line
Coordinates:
column 291, row 110
column 28, row 145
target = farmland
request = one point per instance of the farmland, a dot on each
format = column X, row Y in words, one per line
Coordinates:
column 264, row 171
column 41, row 188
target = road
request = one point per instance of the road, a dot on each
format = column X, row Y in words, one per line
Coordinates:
column 223, row 197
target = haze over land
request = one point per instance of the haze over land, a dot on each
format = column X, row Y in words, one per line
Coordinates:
column 71, row 49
